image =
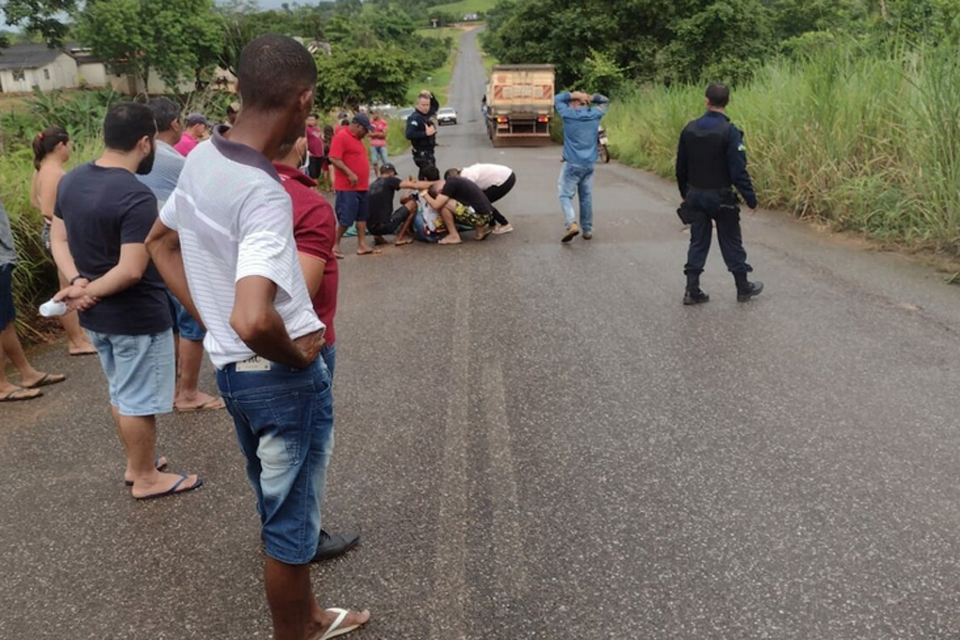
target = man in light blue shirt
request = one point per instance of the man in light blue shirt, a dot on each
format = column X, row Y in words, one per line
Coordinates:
column 162, row 180
column 581, row 115
column 168, row 164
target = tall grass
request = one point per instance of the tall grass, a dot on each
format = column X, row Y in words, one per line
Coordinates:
column 866, row 140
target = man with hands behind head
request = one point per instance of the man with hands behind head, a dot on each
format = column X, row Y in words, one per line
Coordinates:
column 581, row 114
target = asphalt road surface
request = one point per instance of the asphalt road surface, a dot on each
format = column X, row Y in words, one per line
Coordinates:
column 540, row 441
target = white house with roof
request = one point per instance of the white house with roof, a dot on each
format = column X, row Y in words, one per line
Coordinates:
column 25, row 66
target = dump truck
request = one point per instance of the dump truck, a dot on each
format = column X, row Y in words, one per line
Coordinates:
column 519, row 103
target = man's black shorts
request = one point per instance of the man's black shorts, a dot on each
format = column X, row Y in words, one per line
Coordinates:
column 314, row 168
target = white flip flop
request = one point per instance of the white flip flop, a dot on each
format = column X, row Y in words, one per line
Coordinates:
column 335, row 629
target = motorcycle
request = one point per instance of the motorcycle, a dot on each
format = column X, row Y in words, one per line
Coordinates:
column 603, row 142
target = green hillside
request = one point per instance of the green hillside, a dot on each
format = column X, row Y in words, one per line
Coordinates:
column 467, row 6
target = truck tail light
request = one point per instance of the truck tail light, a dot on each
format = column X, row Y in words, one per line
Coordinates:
column 501, row 119
column 543, row 119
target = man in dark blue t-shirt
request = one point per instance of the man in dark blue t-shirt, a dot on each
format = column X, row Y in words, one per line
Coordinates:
column 101, row 220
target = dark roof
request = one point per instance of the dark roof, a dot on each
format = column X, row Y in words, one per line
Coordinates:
column 28, row 56
column 83, row 55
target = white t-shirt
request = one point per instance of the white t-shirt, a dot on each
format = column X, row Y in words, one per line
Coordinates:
column 235, row 220
column 487, row 175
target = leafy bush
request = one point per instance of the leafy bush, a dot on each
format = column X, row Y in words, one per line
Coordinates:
column 80, row 113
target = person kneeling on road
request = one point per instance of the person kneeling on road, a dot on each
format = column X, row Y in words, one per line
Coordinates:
column 711, row 159
column 475, row 209
column 497, row 181
column 385, row 220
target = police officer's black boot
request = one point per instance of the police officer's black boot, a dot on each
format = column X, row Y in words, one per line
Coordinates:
column 746, row 289
column 694, row 294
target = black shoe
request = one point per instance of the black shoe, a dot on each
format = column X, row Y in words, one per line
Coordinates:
column 752, row 290
column 332, row 546
column 697, row 296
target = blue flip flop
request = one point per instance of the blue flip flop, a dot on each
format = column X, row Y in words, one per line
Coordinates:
column 173, row 490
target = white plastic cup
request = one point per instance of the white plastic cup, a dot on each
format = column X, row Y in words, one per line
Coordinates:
column 51, row 309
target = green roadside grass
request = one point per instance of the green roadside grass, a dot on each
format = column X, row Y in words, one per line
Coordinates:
column 860, row 140
column 437, row 80
column 466, row 6
column 489, row 61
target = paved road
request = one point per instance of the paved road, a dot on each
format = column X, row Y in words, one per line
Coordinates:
column 539, row 441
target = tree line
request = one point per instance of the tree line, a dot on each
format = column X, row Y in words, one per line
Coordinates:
column 606, row 43
column 374, row 48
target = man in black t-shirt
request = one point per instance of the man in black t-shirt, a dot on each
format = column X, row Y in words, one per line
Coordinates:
column 101, row 220
column 384, row 219
column 474, row 207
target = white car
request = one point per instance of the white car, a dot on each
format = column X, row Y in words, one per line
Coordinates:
column 447, row 115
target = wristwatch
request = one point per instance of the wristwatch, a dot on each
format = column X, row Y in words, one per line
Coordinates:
column 74, row 279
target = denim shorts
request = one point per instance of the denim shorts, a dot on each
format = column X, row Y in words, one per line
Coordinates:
column 379, row 153
column 352, row 206
column 284, row 423
column 184, row 324
column 7, row 311
column 141, row 371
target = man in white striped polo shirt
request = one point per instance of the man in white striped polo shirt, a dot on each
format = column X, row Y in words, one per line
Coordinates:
column 225, row 247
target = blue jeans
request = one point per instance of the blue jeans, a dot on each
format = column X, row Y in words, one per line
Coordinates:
column 141, row 371
column 329, row 355
column 577, row 179
column 284, row 422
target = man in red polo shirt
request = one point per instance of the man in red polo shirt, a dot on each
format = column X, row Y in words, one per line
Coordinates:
column 314, row 231
column 351, row 181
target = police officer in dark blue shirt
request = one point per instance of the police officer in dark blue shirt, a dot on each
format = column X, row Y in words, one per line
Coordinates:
column 711, row 160
column 422, row 131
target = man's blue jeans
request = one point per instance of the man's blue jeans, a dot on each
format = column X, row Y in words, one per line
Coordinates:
column 329, row 355
column 577, row 179
column 284, row 423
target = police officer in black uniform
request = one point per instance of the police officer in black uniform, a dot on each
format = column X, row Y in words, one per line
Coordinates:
column 422, row 131
column 711, row 160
